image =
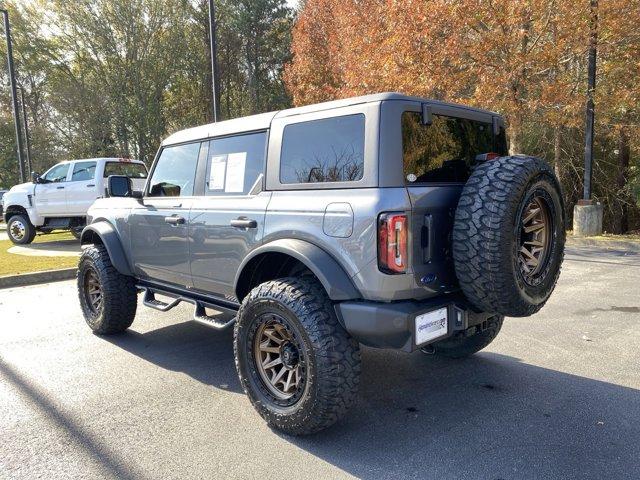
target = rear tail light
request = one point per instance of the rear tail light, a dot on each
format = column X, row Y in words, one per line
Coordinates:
column 485, row 157
column 392, row 243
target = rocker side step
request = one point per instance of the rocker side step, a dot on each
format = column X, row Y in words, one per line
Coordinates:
column 200, row 316
column 219, row 322
column 149, row 300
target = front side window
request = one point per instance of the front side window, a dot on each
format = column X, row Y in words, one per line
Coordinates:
column 57, row 174
column 235, row 163
column 175, row 171
column 127, row 169
column 444, row 151
column 327, row 150
column 83, row 171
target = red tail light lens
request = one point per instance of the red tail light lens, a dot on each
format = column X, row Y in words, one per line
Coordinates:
column 392, row 243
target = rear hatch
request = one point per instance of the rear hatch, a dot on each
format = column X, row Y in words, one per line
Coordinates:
column 433, row 211
column 439, row 154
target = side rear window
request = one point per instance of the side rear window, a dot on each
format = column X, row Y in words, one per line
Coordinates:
column 128, row 169
column 83, row 171
column 327, row 150
column 235, row 164
column 175, row 171
column 444, row 151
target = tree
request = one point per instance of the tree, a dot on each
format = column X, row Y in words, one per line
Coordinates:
column 524, row 59
column 116, row 76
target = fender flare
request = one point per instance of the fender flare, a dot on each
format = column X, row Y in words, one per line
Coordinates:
column 111, row 241
column 332, row 276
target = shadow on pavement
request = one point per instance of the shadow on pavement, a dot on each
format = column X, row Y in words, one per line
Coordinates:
column 204, row 354
column 117, row 466
column 490, row 416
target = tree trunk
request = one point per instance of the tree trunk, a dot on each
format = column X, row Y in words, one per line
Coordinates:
column 622, row 179
column 557, row 152
column 515, row 135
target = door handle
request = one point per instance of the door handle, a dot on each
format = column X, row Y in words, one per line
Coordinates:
column 91, row 185
column 60, row 188
column 174, row 220
column 243, row 222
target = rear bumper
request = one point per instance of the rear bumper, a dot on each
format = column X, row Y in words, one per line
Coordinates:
column 392, row 325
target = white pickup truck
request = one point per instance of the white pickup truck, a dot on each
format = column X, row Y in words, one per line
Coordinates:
column 60, row 198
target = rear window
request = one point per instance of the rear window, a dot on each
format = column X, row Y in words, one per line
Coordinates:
column 320, row 151
column 445, row 151
column 128, row 169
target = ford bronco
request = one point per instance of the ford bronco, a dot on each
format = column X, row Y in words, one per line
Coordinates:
column 385, row 220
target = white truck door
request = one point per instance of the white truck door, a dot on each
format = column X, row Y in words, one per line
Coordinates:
column 81, row 189
column 50, row 197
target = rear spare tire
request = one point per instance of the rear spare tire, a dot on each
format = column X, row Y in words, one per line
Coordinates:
column 509, row 235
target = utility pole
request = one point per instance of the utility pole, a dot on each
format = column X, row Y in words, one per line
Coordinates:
column 587, row 214
column 214, row 62
column 590, row 117
column 26, row 131
column 14, row 96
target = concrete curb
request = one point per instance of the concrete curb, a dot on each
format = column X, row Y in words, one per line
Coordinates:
column 37, row 277
column 629, row 245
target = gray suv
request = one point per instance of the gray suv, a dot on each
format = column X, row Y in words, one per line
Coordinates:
column 385, row 220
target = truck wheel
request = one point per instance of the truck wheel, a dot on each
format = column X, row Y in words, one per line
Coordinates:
column 108, row 299
column 20, row 230
column 296, row 363
column 462, row 346
column 509, row 235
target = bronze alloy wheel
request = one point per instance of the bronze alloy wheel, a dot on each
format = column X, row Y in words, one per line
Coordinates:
column 535, row 237
column 92, row 291
column 279, row 359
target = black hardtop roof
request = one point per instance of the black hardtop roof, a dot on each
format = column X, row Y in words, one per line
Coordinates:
column 263, row 121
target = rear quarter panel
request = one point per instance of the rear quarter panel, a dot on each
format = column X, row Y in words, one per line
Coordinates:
column 303, row 215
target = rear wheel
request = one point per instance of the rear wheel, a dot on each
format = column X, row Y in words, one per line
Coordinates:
column 108, row 299
column 20, row 230
column 464, row 345
column 296, row 363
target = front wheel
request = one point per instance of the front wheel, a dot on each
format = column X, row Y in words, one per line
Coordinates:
column 108, row 299
column 20, row 230
column 296, row 363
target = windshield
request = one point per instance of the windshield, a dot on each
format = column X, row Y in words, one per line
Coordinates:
column 128, row 169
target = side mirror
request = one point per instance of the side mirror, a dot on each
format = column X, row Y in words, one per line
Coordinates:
column 119, row 186
column 35, row 177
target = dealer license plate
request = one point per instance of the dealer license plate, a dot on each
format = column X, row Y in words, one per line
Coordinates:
column 431, row 325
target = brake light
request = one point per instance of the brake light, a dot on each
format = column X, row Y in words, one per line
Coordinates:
column 392, row 243
column 485, row 157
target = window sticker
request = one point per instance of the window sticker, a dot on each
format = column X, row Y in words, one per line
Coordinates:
column 235, row 172
column 217, row 172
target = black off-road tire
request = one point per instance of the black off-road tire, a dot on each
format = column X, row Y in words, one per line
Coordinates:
column 119, row 295
column 462, row 346
column 27, row 227
column 487, row 235
column 332, row 357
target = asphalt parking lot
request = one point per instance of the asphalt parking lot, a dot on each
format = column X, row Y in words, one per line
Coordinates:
column 555, row 396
